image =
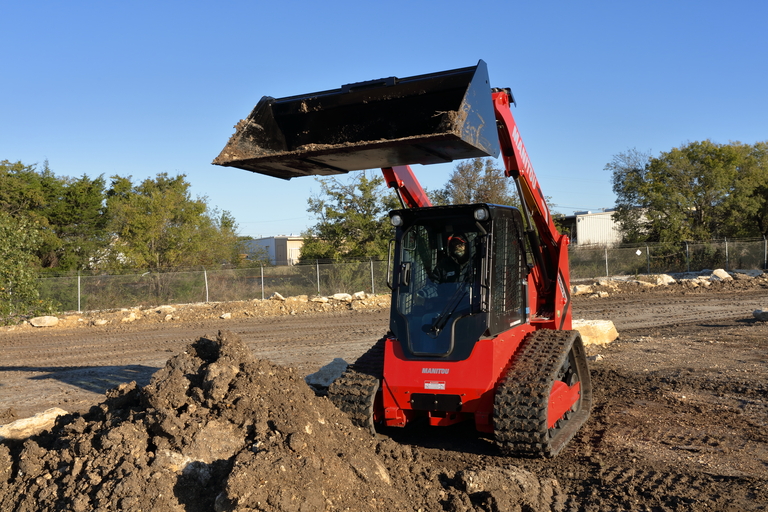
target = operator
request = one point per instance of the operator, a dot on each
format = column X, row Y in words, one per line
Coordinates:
column 453, row 268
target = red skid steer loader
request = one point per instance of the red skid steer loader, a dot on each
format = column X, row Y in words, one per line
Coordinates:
column 480, row 323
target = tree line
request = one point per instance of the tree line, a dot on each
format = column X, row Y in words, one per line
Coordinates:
column 63, row 224
column 699, row 191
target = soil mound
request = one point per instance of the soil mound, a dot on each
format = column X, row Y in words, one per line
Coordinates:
column 217, row 429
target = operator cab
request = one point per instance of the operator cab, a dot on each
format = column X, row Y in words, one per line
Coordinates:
column 459, row 275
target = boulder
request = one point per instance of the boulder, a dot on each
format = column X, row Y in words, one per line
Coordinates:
column 581, row 289
column 44, row 321
column 277, row 296
column 26, row 427
column 343, row 297
column 664, row 280
column 596, row 332
column 761, row 315
column 720, row 275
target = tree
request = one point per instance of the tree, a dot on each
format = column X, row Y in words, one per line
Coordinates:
column 19, row 294
column 69, row 212
column 477, row 181
column 699, row 191
column 156, row 224
column 746, row 209
column 353, row 220
column 75, row 214
column 628, row 176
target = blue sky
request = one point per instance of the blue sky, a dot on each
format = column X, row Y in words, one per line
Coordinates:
column 139, row 88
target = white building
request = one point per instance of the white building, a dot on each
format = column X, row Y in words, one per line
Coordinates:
column 587, row 228
column 281, row 250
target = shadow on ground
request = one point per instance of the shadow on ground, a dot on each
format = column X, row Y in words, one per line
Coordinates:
column 97, row 379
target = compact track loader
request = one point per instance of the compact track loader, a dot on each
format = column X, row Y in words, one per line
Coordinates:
column 480, row 323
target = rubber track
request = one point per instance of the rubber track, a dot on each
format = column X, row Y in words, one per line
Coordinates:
column 354, row 392
column 522, row 397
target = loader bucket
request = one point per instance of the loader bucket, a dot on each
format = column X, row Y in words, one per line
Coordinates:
column 425, row 119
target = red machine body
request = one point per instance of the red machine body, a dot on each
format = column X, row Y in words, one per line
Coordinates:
column 480, row 325
column 475, row 379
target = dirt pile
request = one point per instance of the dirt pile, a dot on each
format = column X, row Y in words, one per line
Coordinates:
column 217, row 429
column 184, row 313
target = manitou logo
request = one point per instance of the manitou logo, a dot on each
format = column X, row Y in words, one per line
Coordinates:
column 439, row 371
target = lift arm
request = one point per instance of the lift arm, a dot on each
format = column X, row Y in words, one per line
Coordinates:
column 407, row 187
column 549, row 247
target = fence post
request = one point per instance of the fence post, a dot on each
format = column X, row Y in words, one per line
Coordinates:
column 765, row 252
column 317, row 264
column 726, row 254
column 262, row 280
column 78, row 292
column 373, row 286
column 687, row 258
column 205, row 276
column 648, row 260
column 606, row 262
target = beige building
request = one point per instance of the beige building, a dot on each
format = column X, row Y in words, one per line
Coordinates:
column 281, row 250
column 587, row 228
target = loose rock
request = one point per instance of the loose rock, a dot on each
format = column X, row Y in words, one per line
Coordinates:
column 596, row 332
column 44, row 321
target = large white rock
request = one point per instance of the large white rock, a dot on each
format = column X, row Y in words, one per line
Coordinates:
column 664, row 280
column 596, row 332
column 720, row 274
column 581, row 289
column 44, row 321
column 23, row 428
column 344, row 297
column 327, row 374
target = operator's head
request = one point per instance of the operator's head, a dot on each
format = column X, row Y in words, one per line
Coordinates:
column 457, row 248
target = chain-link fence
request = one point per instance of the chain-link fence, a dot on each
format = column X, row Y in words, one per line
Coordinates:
column 91, row 291
column 595, row 261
